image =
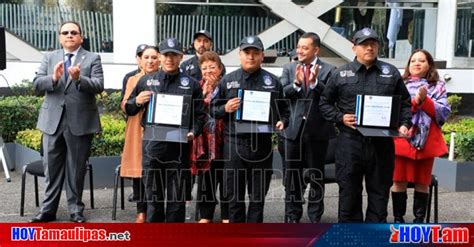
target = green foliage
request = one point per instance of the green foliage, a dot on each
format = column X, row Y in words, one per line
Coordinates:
column 464, row 140
column 455, row 102
column 108, row 143
column 30, row 138
column 110, row 103
column 24, row 88
column 465, row 146
column 18, row 113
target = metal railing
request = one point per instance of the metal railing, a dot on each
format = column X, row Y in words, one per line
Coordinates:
column 227, row 31
column 38, row 25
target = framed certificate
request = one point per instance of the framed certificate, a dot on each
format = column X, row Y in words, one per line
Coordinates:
column 254, row 114
column 168, row 117
column 256, row 106
column 377, row 115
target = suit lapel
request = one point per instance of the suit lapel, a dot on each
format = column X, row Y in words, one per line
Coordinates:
column 80, row 56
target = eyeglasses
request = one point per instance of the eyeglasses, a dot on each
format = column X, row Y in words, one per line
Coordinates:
column 73, row 33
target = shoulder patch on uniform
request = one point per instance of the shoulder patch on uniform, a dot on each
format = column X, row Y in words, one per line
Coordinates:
column 385, row 69
column 184, row 81
column 267, row 80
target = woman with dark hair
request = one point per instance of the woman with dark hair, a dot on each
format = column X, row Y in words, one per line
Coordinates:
column 131, row 164
column 207, row 152
column 414, row 156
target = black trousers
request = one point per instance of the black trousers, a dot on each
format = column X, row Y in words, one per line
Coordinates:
column 359, row 157
column 166, row 174
column 139, row 194
column 208, row 183
column 281, row 150
column 248, row 166
column 304, row 165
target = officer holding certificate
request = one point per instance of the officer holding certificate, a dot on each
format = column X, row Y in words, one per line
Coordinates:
column 166, row 164
column 359, row 157
column 246, row 95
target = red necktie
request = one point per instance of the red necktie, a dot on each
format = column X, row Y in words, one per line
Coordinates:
column 307, row 73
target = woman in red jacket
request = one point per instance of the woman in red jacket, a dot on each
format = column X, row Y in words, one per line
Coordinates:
column 414, row 156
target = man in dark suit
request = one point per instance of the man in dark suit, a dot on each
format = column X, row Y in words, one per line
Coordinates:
column 70, row 78
column 306, row 138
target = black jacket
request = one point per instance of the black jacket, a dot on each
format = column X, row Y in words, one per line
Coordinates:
column 179, row 84
column 339, row 96
column 261, row 80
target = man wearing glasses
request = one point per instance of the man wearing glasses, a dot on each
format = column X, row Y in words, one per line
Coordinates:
column 70, row 78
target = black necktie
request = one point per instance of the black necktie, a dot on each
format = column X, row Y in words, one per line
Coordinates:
column 67, row 64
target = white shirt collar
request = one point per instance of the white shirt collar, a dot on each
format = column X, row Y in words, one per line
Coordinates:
column 313, row 63
column 73, row 52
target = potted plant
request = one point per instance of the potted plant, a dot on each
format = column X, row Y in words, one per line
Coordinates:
column 457, row 173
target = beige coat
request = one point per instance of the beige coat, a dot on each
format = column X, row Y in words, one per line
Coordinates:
column 132, row 149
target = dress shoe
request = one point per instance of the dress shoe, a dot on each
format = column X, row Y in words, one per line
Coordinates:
column 290, row 220
column 141, row 218
column 78, row 218
column 315, row 221
column 132, row 198
column 43, row 217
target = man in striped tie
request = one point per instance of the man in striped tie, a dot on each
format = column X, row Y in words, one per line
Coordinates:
column 305, row 141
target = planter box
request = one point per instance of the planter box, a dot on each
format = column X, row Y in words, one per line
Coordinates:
column 454, row 175
column 20, row 156
column 103, row 166
column 104, row 171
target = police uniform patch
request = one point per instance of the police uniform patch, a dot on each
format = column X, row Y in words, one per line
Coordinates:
column 250, row 40
column 190, row 67
column 170, row 43
column 366, row 31
column 233, row 84
column 152, row 82
column 184, row 81
column 385, row 69
column 267, row 80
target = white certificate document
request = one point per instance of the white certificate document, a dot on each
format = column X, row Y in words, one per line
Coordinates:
column 377, row 111
column 256, row 106
column 168, row 109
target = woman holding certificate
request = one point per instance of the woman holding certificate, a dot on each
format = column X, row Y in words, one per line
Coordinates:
column 206, row 155
column 415, row 155
column 131, row 164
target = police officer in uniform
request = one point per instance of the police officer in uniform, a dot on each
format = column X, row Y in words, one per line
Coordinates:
column 248, row 156
column 166, row 164
column 202, row 42
column 357, row 156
